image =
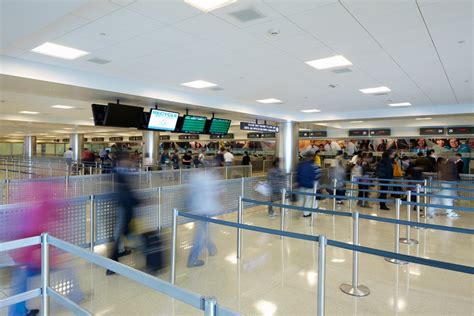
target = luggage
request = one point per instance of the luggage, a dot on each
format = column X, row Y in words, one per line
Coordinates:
column 154, row 251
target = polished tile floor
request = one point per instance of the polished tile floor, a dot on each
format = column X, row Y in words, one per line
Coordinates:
column 279, row 277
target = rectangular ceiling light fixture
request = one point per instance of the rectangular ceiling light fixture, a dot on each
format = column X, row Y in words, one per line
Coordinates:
column 400, row 104
column 64, row 107
column 423, row 118
column 311, row 111
column 209, row 5
column 269, row 101
column 28, row 112
column 199, row 84
column 59, row 51
column 330, row 62
column 375, row 90
column 355, row 122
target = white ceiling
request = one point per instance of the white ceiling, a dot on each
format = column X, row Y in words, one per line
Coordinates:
column 422, row 50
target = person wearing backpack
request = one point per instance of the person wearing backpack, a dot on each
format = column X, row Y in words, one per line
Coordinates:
column 307, row 176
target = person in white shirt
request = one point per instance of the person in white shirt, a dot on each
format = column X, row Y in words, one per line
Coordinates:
column 351, row 147
column 327, row 147
column 202, row 156
column 68, row 155
column 335, row 146
column 228, row 158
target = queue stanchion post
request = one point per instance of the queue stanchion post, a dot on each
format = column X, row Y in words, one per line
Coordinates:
column 282, row 211
column 210, row 304
column 239, row 230
column 408, row 240
column 321, row 274
column 174, row 231
column 355, row 289
column 351, row 193
column 334, row 193
column 398, row 203
column 418, row 207
column 314, row 203
column 45, row 274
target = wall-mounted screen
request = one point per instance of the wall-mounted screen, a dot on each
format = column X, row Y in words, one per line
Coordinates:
column 193, row 124
column 219, row 126
column 98, row 112
column 163, row 120
column 120, row 115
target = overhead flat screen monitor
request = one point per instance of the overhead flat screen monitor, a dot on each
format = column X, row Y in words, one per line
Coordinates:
column 145, row 120
column 98, row 112
column 219, row 126
column 193, row 124
column 163, row 120
column 120, row 115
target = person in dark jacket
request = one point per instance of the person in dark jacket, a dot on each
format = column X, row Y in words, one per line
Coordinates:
column 246, row 159
column 430, row 154
column 307, row 176
column 385, row 171
column 276, row 180
column 459, row 163
column 423, row 162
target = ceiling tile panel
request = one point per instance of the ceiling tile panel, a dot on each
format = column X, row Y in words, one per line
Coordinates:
column 168, row 12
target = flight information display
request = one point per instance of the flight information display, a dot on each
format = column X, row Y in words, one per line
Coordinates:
column 193, row 124
column 163, row 120
column 219, row 126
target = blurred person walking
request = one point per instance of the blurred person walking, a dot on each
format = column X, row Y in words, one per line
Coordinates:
column 384, row 172
column 339, row 174
column 202, row 198
column 459, row 163
column 276, row 180
column 307, row 176
column 448, row 172
column 175, row 159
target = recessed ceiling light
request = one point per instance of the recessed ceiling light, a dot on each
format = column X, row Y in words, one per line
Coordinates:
column 400, row 104
column 355, row 122
column 311, row 111
column 423, row 118
column 65, row 107
column 67, row 128
column 199, row 84
column 28, row 112
column 59, row 51
column 329, row 62
column 375, row 90
column 209, row 5
column 269, row 100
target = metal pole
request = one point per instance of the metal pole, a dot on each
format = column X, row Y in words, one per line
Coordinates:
column 398, row 203
column 92, row 221
column 210, row 304
column 282, row 210
column 180, row 176
column 7, row 197
column 334, row 194
column 408, row 240
column 251, row 170
column 44, row 274
column 242, row 187
column 418, row 208
column 150, row 184
column 355, row 289
column 226, row 172
column 321, row 274
column 425, row 197
column 313, row 203
column 173, row 246
column 239, row 231
column 351, row 193
column 160, row 199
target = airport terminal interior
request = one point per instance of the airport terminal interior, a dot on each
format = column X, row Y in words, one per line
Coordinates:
column 237, row 157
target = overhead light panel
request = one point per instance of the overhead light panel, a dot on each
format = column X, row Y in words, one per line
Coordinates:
column 209, row 5
column 311, row 111
column 375, row 90
column 400, row 104
column 59, row 51
column 423, row 118
column 64, row 107
column 329, row 62
column 199, row 84
column 269, row 101
column 355, row 122
column 28, row 112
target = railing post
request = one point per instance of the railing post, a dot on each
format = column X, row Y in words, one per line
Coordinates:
column 355, row 289
column 226, row 172
column 160, row 199
column 150, row 184
column 7, row 195
column 44, row 274
column 418, row 208
column 251, row 170
column 174, row 229
column 314, row 202
column 239, row 230
column 242, row 187
column 321, row 274
column 425, row 197
column 408, row 240
column 282, row 211
column 334, row 193
column 210, row 304
column 398, row 203
column 180, row 176
column 92, row 221
column 351, row 193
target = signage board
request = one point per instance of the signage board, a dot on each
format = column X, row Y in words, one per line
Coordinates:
column 165, row 137
column 258, row 127
column 188, row 137
column 115, row 139
column 98, row 139
column 380, row 132
column 218, row 136
column 260, row 135
column 432, row 131
column 313, row 134
column 460, row 130
column 358, row 132
column 65, row 140
column 135, row 138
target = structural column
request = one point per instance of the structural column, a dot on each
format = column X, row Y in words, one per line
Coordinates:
column 77, row 145
column 29, row 146
column 287, row 145
column 151, row 145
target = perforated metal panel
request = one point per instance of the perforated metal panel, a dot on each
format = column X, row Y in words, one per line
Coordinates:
column 20, row 190
column 172, row 197
column 147, row 213
column 105, row 217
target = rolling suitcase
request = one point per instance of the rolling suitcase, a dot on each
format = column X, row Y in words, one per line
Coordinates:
column 154, row 251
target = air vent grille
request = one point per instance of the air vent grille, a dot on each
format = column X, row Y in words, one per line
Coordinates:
column 247, row 15
column 99, row 61
column 341, row 70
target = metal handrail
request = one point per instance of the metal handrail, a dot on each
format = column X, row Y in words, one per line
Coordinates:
column 206, row 304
